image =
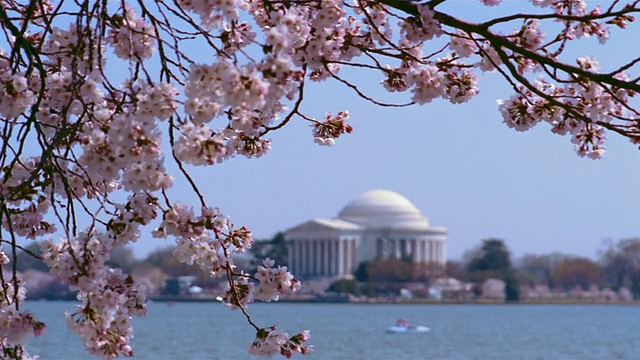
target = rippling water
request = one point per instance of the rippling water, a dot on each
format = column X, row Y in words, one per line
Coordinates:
column 356, row 331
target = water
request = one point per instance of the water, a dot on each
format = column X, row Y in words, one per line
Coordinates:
column 356, row 331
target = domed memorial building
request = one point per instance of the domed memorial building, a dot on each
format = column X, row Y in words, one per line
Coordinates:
column 377, row 224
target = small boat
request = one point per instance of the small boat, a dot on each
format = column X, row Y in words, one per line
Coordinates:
column 408, row 329
column 403, row 326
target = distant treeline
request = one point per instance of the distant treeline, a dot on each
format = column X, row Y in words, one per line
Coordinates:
column 617, row 266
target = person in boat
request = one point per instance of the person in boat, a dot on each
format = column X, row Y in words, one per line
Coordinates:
column 403, row 323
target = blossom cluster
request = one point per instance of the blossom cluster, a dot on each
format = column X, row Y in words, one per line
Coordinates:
column 424, row 28
column 587, row 27
column 28, row 206
column 325, row 133
column 209, row 239
column 15, row 95
column 201, row 240
column 108, row 298
column 273, row 281
column 212, row 13
column 272, row 341
column 267, row 284
column 599, row 105
column 131, row 37
column 15, row 325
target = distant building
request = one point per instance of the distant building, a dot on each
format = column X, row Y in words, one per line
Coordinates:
column 378, row 224
column 493, row 289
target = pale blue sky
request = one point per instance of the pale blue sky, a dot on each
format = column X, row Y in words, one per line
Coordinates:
column 459, row 165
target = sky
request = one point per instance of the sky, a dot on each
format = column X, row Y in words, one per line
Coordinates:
column 459, row 164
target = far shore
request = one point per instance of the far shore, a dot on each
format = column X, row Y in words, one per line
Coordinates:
column 353, row 300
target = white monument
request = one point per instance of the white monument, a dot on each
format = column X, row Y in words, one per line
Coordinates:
column 378, row 224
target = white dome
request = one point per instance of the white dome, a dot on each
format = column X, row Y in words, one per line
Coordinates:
column 381, row 207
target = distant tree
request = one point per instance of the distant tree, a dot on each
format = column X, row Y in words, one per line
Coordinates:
column 577, row 271
column 621, row 265
column 164, row 259
column 511, row 287
column 456, row 270
column 428, row 271
column 279, row 250
column 30, row 258
column 361, row 273
column 121, row 257
column 398, row 270
column 153, row 278
column 346, row 287
column 540, row 267
column 494, row 255
column 172, row 287
column 368, row 290
column 390, row 270
column 42, row 285
column 274, row 249
column 490, row 260
column 493, row 260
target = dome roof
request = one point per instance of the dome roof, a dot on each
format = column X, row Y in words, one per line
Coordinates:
column 381, row 207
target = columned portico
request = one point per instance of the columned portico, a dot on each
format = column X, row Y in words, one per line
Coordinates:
column 322, row 257
column 378, row 224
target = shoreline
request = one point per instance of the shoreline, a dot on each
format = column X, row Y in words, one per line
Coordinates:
column 348, row 300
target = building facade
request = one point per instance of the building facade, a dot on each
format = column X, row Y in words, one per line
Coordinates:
column 377, row 224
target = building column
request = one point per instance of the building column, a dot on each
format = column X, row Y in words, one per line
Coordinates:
column 423, row 250
column 340, row 257
column 303, row 261
column 290, row 257
column 318, row 248
column 300, row 255
column 349, row 253
column 320, row 257
column 296, row 256
column 414, row 250
column 432, row 256
column 312, row 255
column 440, row 252
column 337, row 253
column 325, row 250
column 347, row 256
column 309, row 255
column 353, row 256
column 333, row 260
column 316, row 255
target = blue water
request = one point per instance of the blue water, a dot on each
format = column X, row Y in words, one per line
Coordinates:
column 356, row 331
